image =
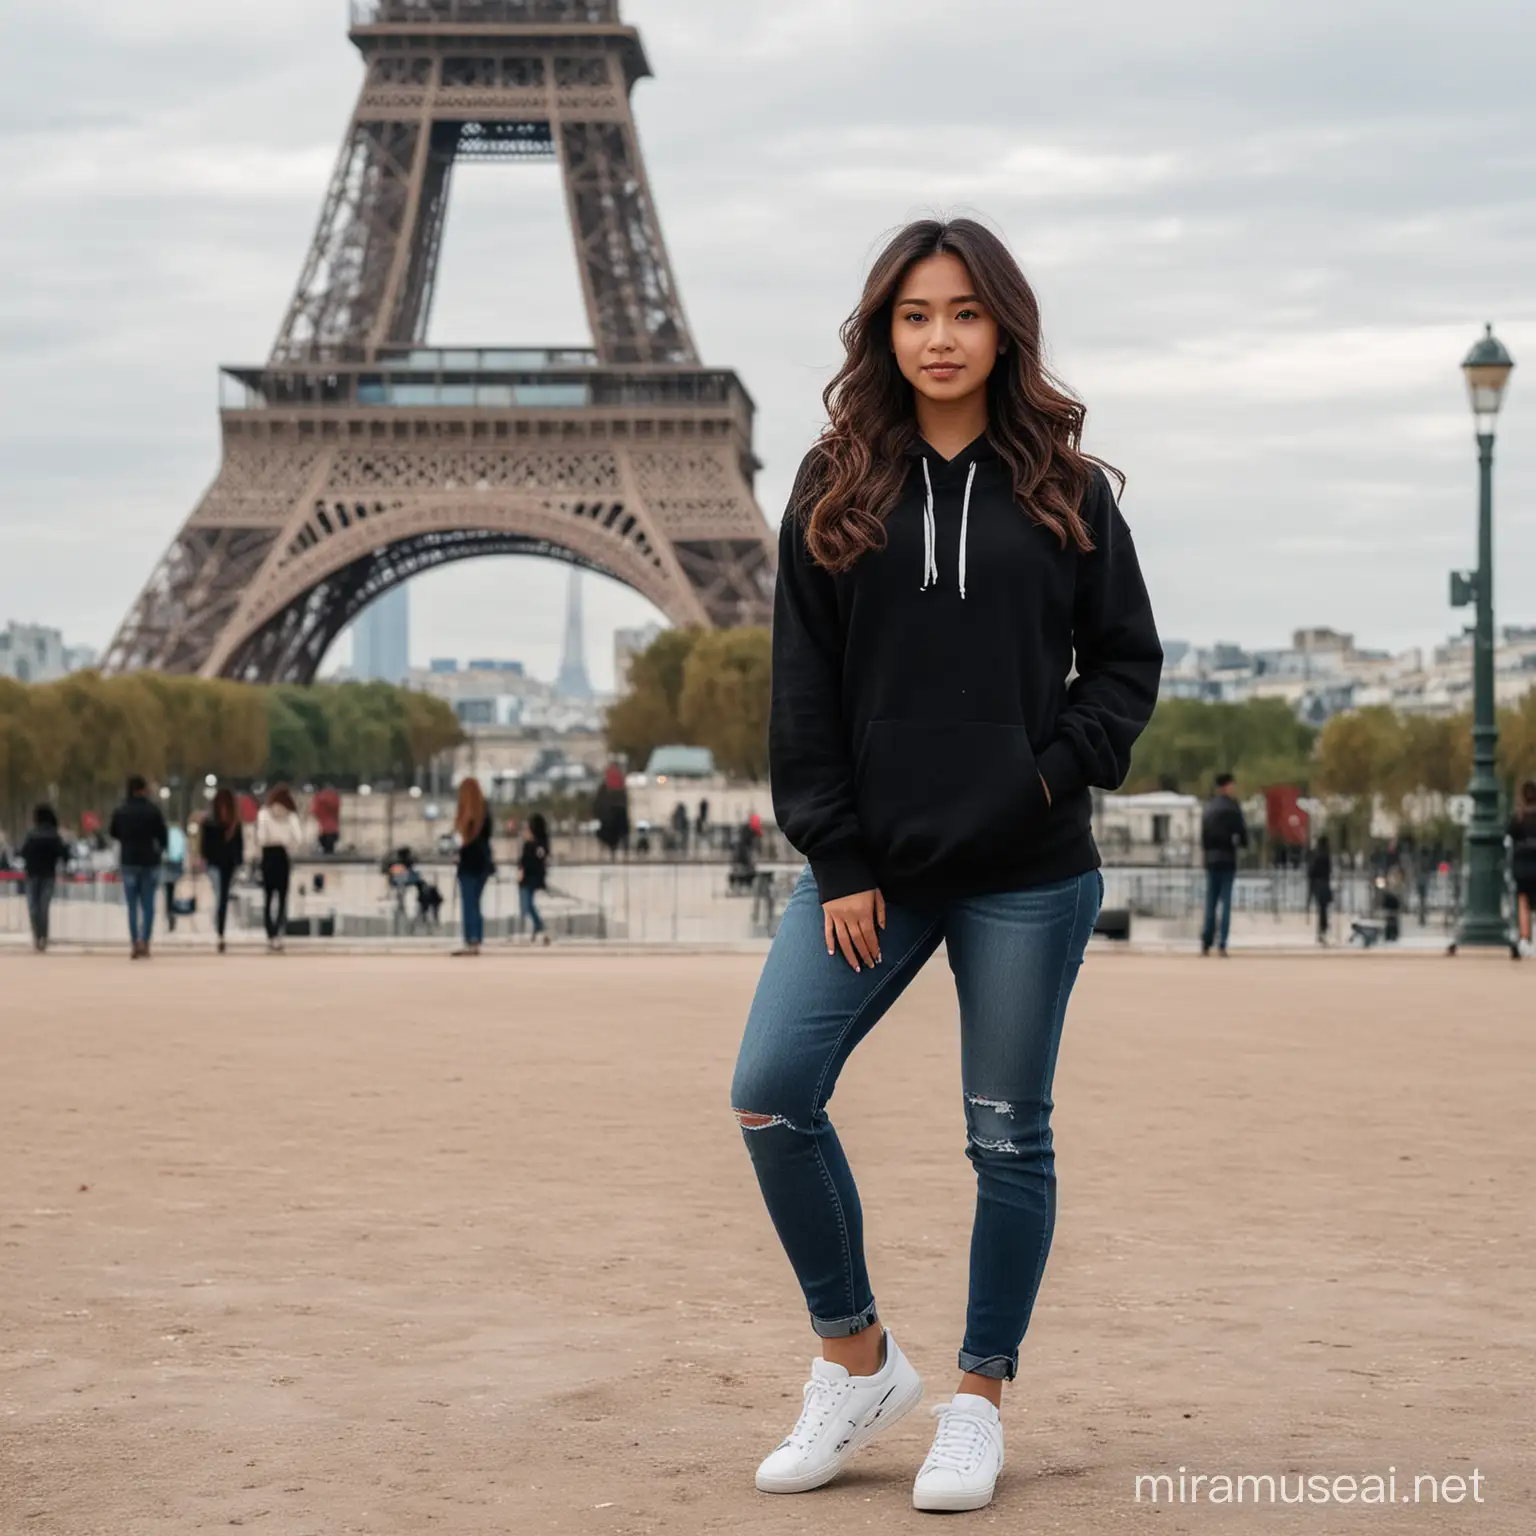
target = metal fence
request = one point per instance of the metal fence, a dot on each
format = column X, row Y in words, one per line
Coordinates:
column 668, row 899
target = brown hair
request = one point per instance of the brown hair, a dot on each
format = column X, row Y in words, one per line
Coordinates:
column 226, row 814
column 471, row 817
column 1034, row 425
column 281, row 795
column 1528, row 797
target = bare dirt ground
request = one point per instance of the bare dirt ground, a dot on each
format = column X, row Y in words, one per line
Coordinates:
column 321, row 1246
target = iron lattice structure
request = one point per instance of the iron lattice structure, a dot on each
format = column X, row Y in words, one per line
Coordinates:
column 358, row 456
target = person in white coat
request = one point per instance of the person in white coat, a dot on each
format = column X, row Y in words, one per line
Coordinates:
column 279, row 836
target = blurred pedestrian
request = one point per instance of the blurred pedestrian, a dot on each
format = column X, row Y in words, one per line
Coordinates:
column 1222, row 832
column 173, row 865
column 610, row 809
column 279, row 836
column 680, row 827
column 325, row 807
column 223, row 851
column 532, row 875
column 43, row 852
column 476, row 865
column 139, row 829
column 1522, row 833
column 1320, row 885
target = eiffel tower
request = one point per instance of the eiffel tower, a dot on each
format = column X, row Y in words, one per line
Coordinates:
column 358, row 456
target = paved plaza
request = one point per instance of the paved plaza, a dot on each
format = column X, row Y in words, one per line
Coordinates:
column 397, row 1245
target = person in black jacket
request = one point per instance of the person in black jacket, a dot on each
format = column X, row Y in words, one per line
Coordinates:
column 532, row 875
column 43, row 852
column 1522, row 836
column 610, row 807
column 963, row 648
column 476, row 866
column 1320, row 884
column 1222, row 832
column 223, row 851
column 141, row 836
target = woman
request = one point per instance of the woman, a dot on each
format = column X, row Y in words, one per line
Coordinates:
column 279, row 835
column 1320, row 885
column 947, row 550
column 222, row 845
column 1522, row 834
column 42, row 852
column 532, row 871
column 473, row 825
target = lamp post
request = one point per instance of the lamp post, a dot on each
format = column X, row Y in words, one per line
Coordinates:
column 1487, row 368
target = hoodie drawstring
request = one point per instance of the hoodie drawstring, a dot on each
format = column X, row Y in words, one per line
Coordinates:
column 931, row 531
column 930, row 535
column 965, row 525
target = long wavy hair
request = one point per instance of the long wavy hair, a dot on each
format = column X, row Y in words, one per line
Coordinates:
column 1527, row 811
column 472, row 812
column 860, row 462
column 226, row 814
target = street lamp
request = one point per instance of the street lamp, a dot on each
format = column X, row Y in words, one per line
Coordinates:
column 1487, row 368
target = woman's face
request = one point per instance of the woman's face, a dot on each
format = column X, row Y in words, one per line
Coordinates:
column 946, row 342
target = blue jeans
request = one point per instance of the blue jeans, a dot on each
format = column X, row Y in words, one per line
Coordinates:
column 140, row 888
column 528, row 902
column 1014, row 957
column 1218, row 893
column 471, row 889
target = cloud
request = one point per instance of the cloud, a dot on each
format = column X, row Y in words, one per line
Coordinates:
column 1263, row 237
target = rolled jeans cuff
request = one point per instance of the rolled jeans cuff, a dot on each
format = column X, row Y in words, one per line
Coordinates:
column 842, row 1327
column 999, row 1367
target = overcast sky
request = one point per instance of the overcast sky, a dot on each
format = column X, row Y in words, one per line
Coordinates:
column 1263, row 234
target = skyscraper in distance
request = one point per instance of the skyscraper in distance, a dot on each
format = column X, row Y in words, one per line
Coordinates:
column 573, row 682
column 381, row 639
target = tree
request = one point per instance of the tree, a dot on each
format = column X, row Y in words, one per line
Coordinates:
column 237, row 730
column 34, row 730
column 725, row 699
column 117, row 727
column 1188, row 742
column 1517, row 741
column 292, row 756
column 650, row 713
column 430, row 728
column 1359, row 756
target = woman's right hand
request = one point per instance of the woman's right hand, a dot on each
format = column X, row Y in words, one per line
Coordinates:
column 853, row 924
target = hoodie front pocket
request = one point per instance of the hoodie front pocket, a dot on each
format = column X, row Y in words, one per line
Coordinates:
column 947, row 797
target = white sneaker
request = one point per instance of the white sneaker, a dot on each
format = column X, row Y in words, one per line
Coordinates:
column 841, row 1413
column 961, row 1469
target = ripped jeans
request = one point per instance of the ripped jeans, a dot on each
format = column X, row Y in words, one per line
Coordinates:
column 1014, row 957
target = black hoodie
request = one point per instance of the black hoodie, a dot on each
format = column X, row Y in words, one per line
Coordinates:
column 920, row 698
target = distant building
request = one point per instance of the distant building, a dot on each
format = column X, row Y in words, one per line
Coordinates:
column 495, row 695
column 1309, row 641
column 1325, row 673
column 381, row 639
column 31, row 653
